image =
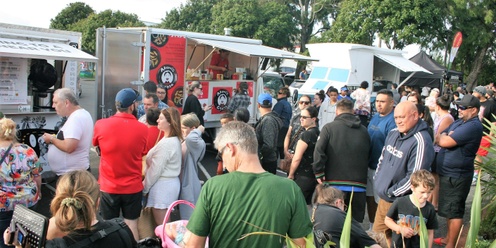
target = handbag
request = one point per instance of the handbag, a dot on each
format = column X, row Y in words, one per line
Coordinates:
column 146, row 223
column 285, row 164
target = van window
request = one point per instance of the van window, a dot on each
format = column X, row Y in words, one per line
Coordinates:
column 339, row 75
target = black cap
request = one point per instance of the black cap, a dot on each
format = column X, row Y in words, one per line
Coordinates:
column 469, row 101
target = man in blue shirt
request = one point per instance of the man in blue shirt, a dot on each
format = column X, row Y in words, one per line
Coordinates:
column 150, row 87
column 344, row 94
column 459, row 142
column 380, row 125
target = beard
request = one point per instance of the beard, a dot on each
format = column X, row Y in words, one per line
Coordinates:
column 135, row 113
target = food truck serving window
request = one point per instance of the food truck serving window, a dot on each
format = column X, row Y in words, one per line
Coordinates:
column 253, row 50
column 41, row 50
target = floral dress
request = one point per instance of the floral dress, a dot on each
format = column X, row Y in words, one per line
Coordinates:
column 17, row 173
column 362, row 102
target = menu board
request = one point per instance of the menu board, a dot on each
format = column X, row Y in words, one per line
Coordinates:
column 13, row 80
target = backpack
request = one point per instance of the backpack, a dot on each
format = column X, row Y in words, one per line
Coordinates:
column 116, row 225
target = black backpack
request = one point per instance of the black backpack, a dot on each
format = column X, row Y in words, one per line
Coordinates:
column 116, row 225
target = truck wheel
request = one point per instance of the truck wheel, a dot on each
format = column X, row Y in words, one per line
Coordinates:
column 295, row 96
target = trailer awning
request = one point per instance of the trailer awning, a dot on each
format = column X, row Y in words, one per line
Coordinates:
column 402, row 63
column 41, row 50
column 254, row 50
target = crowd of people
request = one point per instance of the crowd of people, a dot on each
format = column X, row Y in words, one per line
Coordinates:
column 415, row 154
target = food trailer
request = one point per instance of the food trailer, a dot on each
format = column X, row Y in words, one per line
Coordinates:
column 131, row 56
column 34, row 62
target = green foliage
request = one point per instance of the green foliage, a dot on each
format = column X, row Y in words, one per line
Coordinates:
column 73, row 13
column 398, row 23
column 107, row 18
column 488, row 190
column 195, row 16
column 345, row 239
column 475, row 215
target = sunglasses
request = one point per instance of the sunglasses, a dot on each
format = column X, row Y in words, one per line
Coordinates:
column 280, row 93
column 304, row 102
column 305, row 117
column 460, row 107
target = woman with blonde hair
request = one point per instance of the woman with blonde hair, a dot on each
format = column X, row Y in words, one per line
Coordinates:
column 20, row 179
column 74, row 209
column 192, row 104
column 161, row 182
column 329, row 214
column 193, row 150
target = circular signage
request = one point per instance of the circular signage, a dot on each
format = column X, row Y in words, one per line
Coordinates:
column 154, row 58
column 167, row 75
column 177, row 97
column 221, row 99
column 159, row 39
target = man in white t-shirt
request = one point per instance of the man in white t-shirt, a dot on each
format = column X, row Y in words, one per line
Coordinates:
column 69, row 149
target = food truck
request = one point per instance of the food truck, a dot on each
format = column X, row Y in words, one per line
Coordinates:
column 34, row 62
column 348, row 64
column 128, row 57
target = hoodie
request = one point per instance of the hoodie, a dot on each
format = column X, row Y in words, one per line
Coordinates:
column 267, row 130
column 342, row 152
column 401, row 156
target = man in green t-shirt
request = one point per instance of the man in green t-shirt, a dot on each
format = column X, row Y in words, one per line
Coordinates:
column 247, row 200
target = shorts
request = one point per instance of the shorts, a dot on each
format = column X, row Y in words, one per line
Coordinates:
column 163, row 193
column 453, row 193
column 380, row 215
column 370, row 185
column 111, row 205
column 485, row 142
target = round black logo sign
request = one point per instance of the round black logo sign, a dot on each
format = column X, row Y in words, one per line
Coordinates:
column 154, row 58
column 177, row 97
column 159, row 39
column 221, row 99
column 167, row 75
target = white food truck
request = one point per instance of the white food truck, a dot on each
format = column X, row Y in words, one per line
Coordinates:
column 341, row 64
column 34, row 62
column 128, row 57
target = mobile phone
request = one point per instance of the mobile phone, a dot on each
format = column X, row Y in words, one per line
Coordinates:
column 22, row 235
column 12, row 230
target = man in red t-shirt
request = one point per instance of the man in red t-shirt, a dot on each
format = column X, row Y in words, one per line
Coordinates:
column 219, row 63
column 122, row 142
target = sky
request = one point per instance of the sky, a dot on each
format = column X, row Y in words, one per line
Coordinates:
column 38, row 13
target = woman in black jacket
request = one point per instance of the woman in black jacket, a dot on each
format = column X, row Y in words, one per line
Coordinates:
column 192, row 104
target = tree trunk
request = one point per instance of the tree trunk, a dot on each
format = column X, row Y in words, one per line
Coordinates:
column 471, row 79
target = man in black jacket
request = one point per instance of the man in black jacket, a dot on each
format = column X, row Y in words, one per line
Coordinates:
column 341, row 156
column 267, row 130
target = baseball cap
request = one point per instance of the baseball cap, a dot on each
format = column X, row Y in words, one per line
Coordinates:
column 127, row 96
column 469, row 101
column 265, row 100
column 481, row 90
column 344, row 88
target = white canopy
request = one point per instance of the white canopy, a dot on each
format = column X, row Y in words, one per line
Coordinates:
column 41, row 50
column 251, row 50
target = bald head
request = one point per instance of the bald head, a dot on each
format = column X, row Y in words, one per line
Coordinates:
column 406, row 116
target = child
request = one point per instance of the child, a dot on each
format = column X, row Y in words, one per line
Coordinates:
column 403, row 216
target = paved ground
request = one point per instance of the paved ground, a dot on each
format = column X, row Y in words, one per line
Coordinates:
column 88, row 101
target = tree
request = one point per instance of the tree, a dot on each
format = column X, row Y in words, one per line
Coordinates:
column 397, row 23
column 73, row 13
column 476, row 19
column 195, row 16
column 107, row 18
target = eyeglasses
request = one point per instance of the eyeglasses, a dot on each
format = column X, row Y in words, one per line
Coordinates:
column 305, row 117
column 305, row 102
column 460, row 107
column 160, row 93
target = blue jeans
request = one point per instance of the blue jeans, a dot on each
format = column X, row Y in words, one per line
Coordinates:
column 5, row 218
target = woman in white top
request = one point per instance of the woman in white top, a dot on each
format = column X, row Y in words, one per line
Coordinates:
column 443, row 121
column 362, row 102
column 164, row 165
